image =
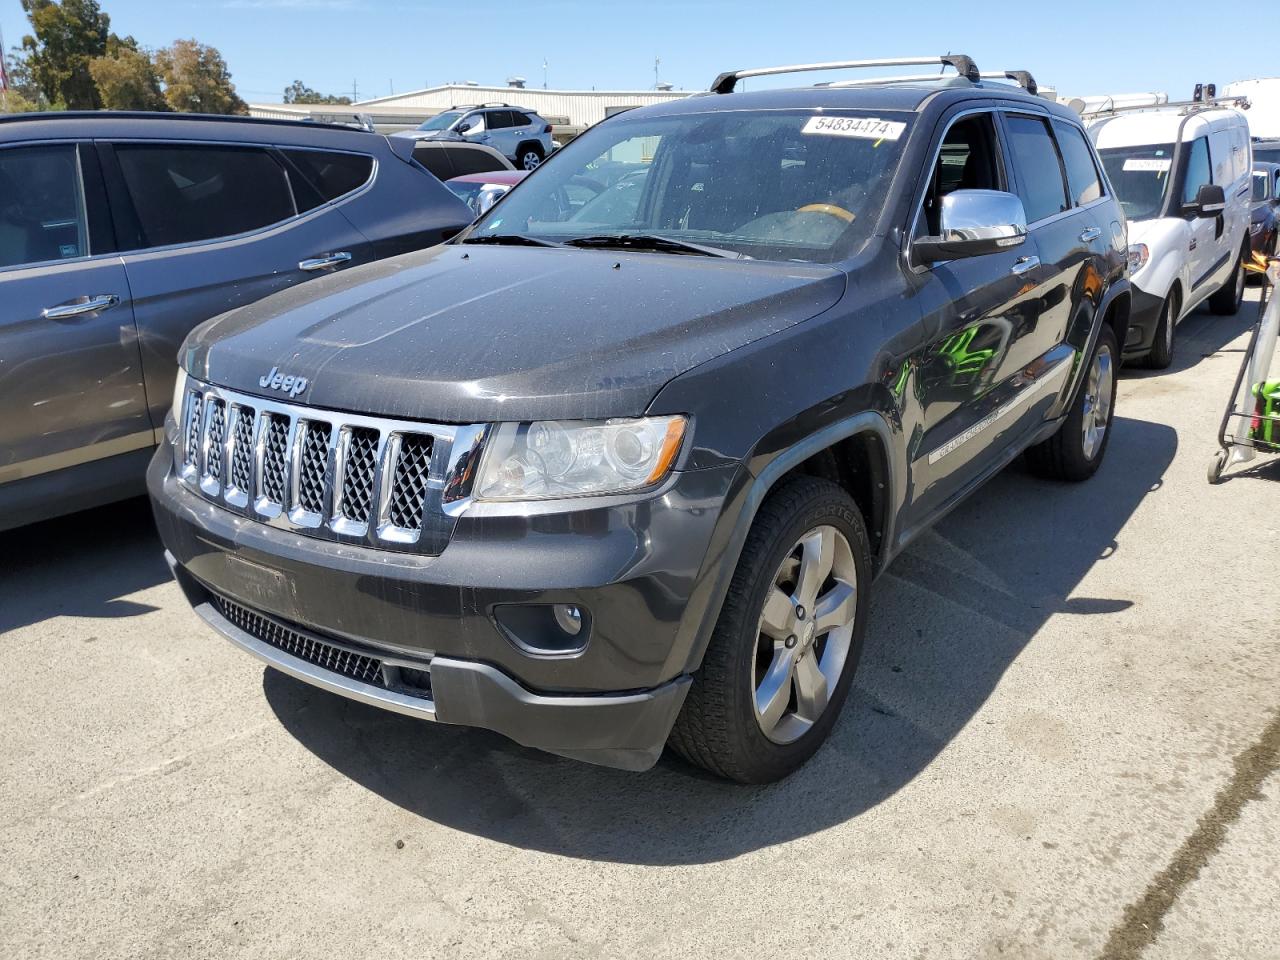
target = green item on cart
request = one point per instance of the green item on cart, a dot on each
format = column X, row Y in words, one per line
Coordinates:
column 1266, row 413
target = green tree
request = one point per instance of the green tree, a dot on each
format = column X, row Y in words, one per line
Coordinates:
column 23, row 95
column 196, row 79
column 65, row 36
column 299, row 92
column 127, row 78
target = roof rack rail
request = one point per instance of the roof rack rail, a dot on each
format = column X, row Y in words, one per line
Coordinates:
column 1189, row 106
column 963, row 65
column 477, row 106
column 1022, row 77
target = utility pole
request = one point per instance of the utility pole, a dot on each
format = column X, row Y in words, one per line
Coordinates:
column 656, row 62
column 355, row 91
column 544, row 73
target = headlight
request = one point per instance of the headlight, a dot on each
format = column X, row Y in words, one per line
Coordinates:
column 179, row 390
column 1138, row 256
column 554, row 458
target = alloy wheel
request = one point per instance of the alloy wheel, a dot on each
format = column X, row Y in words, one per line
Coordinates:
column 530, row 160
column 804, row 634
column 1097, row 401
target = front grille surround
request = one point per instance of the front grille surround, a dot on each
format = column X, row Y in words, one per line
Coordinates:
column 287, row 465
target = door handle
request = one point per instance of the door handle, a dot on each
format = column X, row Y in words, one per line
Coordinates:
column 1093, row 233
column 1024, row 264
column 326, row 262
column 63, row 311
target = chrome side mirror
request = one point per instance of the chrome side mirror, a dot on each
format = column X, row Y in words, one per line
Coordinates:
column 973, row 223
column 490, row 194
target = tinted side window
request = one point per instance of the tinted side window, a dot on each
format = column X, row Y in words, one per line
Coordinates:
column 1035, row 159
column 436, row 160
column 193, row 192
column 967, row 160
column 41, row 205
column 1082, row 172
column 474, row 160
column 497, row 119
column 319, row 176
column 520, row 119
column 1197, row 169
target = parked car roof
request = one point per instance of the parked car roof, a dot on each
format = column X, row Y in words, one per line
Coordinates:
column 185, row 126
column 508, row 177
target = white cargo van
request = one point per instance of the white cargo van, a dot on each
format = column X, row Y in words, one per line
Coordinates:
column 1181, row 172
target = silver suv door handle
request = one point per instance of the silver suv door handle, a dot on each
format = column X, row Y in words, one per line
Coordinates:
column 324, row 263
column 1093, row 233
column 62, row 311
column 1023, row 264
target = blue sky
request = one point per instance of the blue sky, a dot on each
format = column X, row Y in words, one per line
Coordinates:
column 1079, row 47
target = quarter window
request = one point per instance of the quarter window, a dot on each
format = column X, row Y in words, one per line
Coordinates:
column 1035, row 159
column 1082, row 172
column 1197, row 169
column 319, row 176
column 183, row 194
column 42, row 214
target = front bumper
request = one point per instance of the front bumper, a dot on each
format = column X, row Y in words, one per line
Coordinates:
column 1144, row 317
column 639, row 568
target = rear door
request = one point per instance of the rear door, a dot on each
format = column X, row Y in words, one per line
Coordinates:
column 502, row 132
column 71, row 384
column 211, row 227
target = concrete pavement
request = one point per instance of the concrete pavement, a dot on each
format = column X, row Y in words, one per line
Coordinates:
column 1062, row 743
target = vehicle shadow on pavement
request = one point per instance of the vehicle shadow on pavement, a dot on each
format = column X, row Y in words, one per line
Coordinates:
column 948, row 619
column 80, row 565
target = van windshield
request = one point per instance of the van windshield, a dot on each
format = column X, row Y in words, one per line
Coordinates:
column 1140, row 176
column 775, row 184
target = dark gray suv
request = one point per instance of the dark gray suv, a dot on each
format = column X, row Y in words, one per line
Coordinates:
column 120, row 232
column 609, row 477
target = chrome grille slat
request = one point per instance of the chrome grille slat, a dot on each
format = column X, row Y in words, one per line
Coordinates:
column 242, row 449
column 275, row 444
column 369, row 480
column 409, row 484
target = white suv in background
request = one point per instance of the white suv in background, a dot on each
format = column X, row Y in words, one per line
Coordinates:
column 1181, row 172
column 518, row 134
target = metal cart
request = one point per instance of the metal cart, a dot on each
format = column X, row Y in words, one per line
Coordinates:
column 1252, row 420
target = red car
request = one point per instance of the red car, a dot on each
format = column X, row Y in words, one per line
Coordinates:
column 481, row 191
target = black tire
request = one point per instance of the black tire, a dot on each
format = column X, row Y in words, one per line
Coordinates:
column 717, row 728
column 529, row 156
column 1162, row 346
column 1227, row 300
column 1065, row 455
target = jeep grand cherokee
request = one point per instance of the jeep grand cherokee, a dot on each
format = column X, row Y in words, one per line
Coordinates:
column 616, row 476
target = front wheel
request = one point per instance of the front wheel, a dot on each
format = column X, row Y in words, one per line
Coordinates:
column 1161, row 355
column 784, row 651
column 1075, row 452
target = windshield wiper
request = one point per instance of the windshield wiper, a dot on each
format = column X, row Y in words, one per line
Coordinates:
column 511, row 240
column 649, row 241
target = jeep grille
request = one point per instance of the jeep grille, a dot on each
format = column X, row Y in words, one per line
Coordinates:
column 324, row 474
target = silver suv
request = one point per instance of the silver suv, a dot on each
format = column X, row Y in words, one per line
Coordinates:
column 516, row 133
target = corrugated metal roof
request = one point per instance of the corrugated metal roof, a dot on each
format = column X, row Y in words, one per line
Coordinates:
column 577, row 108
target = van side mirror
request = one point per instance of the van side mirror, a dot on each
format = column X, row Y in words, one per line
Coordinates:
column 1210, row 201
column 974, row 223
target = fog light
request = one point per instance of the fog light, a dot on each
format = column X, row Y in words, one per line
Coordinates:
column 568, row 618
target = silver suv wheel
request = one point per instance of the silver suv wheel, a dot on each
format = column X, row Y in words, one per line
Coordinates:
column 530, row 159
column 804, row 634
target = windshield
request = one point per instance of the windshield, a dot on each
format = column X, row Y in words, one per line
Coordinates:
column 1140, row 176
column 779, row 185
column 441, row 121
column 1260, row 181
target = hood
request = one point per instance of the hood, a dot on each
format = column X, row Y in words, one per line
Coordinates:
column 1158, row 233
column 468, row 334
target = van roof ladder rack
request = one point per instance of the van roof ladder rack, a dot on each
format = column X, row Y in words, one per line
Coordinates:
column 963, row 65
column 1189, row 106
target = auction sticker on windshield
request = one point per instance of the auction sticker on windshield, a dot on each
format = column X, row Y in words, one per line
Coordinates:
column 867, row 128
column 1148, row 164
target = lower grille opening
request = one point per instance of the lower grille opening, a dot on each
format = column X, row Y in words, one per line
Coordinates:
column 333, row 657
